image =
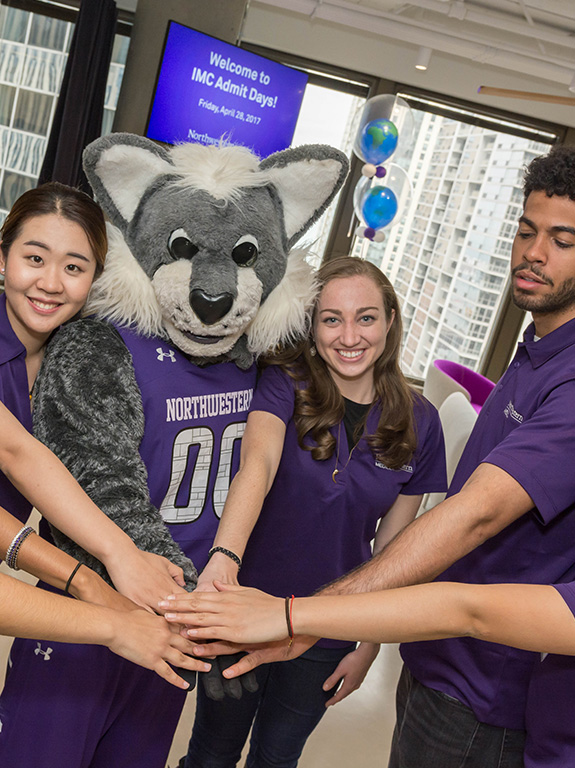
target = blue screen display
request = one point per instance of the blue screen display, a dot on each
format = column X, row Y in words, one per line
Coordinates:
column 208, row 90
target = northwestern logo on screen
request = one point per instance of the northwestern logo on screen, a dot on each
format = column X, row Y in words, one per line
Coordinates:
column 511, row 413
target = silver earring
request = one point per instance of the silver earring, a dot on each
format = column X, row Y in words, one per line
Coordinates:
column 313, row 351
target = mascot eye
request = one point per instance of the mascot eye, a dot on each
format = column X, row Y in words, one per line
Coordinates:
column 180, row 246
column 245, row 251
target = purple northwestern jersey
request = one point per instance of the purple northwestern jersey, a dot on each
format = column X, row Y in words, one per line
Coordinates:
column 195, row 419
column 311, row 529
column 549, row 718
column 526, row 428
column 14, row 395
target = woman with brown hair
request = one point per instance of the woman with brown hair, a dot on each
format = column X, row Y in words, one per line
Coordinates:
column 337, row 453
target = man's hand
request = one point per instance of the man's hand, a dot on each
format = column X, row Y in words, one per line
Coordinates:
column 351, row 672
column 263, row 653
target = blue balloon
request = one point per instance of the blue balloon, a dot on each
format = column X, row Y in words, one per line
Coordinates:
column 378, row 141
column 379, row 207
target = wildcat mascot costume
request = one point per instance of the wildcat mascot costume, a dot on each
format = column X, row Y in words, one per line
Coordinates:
column 146, row 402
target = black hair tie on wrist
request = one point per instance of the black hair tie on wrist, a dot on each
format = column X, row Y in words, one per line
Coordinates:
column 70, row 577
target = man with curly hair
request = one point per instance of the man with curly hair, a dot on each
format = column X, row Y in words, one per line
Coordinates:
column 509, row 517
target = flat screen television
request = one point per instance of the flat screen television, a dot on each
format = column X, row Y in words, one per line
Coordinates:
column 207, row 90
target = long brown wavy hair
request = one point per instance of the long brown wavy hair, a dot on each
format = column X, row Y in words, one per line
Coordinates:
column 319, row 404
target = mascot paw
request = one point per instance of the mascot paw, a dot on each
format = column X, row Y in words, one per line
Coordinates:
column 217, row 687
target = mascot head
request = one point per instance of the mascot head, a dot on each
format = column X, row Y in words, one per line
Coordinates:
column 201, row 242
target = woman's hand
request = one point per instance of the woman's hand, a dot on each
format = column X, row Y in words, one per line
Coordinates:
column 237, row 614
column 245, row 619
column 219, row 568
column 150, row 642
column 145, row 578
column 351, row 672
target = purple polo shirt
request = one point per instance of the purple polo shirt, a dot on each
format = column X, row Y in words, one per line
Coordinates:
column 549, row 718
column 311, row 529
column 14, row 395
column 526, row 428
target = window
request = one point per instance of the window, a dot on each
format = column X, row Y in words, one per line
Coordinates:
column 33, row 52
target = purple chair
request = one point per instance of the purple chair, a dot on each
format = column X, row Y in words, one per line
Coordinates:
column 477, row 385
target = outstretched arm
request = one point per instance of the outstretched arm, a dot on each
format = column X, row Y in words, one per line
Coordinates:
column 261, row 450
column 39, row 558
column 88, row 410
column 528, row 616
column 489, row 501
column 138, row 636
column 53, row 490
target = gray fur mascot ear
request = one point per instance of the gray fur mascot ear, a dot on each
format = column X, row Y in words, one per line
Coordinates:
column 146, row 401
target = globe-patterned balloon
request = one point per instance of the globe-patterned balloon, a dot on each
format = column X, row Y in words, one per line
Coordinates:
column 378, row 141
column 379, row 207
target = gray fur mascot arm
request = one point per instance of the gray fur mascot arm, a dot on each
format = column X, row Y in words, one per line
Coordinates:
column 88, row 411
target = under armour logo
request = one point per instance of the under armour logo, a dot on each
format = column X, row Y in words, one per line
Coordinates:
column 161, row 354
column 39, row 652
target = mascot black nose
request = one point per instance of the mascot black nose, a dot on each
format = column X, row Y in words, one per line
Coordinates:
column 208, row 308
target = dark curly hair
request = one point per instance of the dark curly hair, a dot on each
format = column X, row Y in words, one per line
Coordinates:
column 553, row 173
column 319, row 404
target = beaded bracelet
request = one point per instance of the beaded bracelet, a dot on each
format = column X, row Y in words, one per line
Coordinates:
column 228, row 553
column 14, row 548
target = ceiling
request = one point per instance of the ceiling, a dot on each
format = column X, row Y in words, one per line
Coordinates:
column 522, row 44
column 531, row 36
